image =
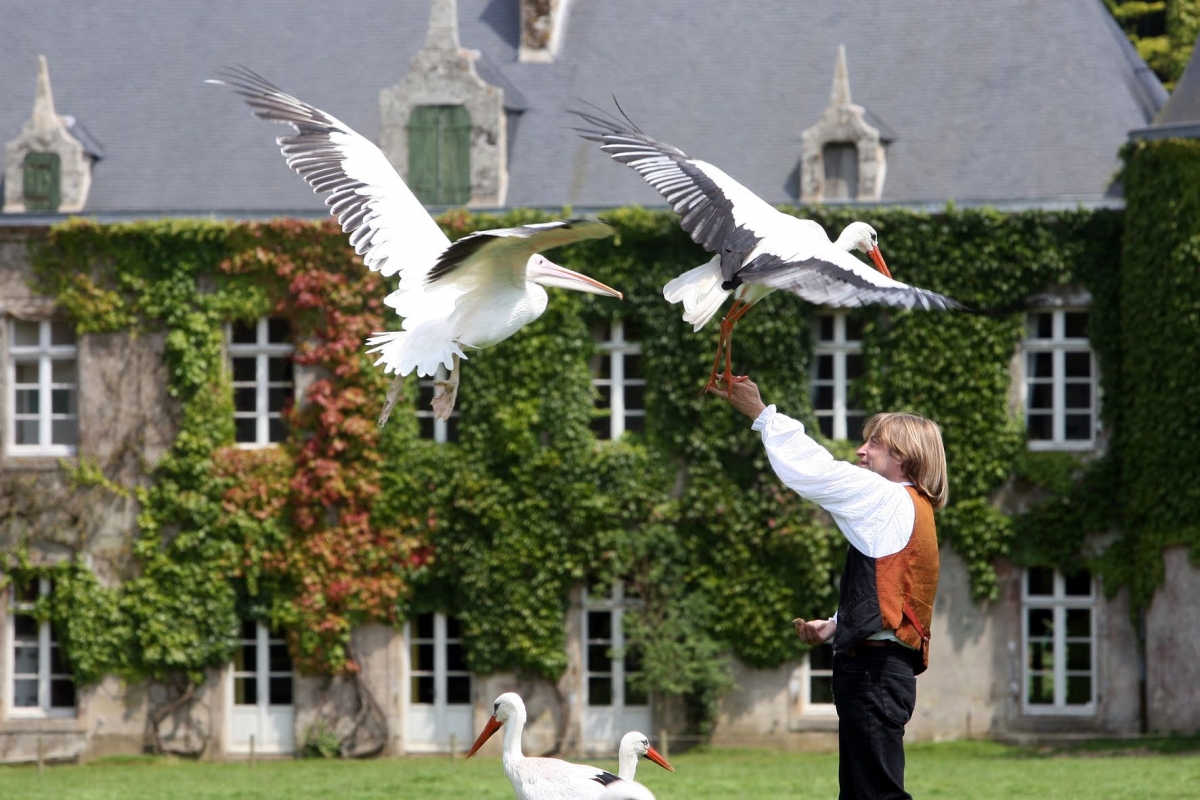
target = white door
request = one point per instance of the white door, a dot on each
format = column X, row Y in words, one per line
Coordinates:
column 439, row 711
column 261, row 715
column 613, row 706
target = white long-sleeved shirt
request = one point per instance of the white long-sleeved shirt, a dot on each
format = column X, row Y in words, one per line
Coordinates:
column 874, row 514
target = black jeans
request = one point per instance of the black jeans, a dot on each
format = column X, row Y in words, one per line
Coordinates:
column 874, row 691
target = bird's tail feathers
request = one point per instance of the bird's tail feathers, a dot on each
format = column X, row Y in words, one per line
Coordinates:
column 424, row 348
column 700, row 292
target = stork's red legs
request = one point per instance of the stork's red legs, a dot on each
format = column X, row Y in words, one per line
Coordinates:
column 725, row 345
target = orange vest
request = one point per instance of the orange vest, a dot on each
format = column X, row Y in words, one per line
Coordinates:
column 893, row 592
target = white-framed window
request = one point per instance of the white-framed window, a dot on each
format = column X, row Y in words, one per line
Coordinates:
column 1060, row 381
column 262, row 668
column 260, row 356
column 41, row 684
column 439, row 671
column 437, row 430
column 837, row 363
column 1058, row 631
column 610, row 663
column 816, row 683
column 618, row 378
column 43, row 394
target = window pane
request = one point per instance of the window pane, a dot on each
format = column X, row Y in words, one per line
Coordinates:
column 600, row 691
column 826, row 426
column 1039, row 581
column 62, row 332
column 635, row 396
column 854, row 328
column 1079, row 584
column 820, row 689
column 62, row 401
column 1079, row 690
column 62, row 693
column 604, row 399
column 425, row 626
column 279, row 369
column 854, row 366
column 854, row 426
column 27, row 401
column 458, row 690
column 453, row 628
column 245, row 691
column 1077, row 427
column 601, row 366
column 597, row 658
column 278, row 397
column 635, row 424
column 425, row 427
column 1078, row 365
column 58, row 664
column 599, row 625
column 1040, row 365
column 64, row 431
column 1040, row 326
column 455, row 659
column 26, row 372
column 244, row 369
column 823, row 397
column 1041, row 622
column 246, row 429
column 280, row 689
column 63, row 371
column 244, row 333
column 422, row 689
column 1075, row 324
column 1079, row 395
column 423, row 657
column 1040, row 427
column 452, row 425
column 25, row 693
column 1041, row 656
column 249, row 629
column 279, row 658
column 1079, row 622
column 26, row 660
column 1079, row 656
column 25, row 626
column 24, row 333
column 633, row 366
column 279, row 330
column 245, row 399
column 825, row 367
column 825, row 328
column 820, row 658
column 246, row 658
column 1041, row 396
column 1041, row 689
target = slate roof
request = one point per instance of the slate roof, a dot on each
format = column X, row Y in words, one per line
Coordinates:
column 992, row 101
column 1180, row 116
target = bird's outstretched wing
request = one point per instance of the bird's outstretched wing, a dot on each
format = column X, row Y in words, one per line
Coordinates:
column 500, row 254
column 721, row 215
column 837, row 279
column 387, row 225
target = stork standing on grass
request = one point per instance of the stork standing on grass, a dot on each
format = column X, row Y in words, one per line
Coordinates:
column 757, row 249
column 471, row 294
column 549, row 778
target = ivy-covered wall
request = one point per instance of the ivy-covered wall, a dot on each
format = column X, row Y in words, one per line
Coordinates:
column 346, row 523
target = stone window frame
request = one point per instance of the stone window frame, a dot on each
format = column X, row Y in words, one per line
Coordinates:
column 834, row 418
column 615, row 604
column 440, row 638
column 45, row 352
column 807, row 674
column 625, row 378
column 46, row 643
column 1058, row 345
column 1059, row 602
column 262, row 350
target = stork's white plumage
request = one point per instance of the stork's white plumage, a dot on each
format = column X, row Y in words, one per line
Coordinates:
column 635, row 745
column 535, row 778
column 757, row 248
column 626, row 790
column 473, row 293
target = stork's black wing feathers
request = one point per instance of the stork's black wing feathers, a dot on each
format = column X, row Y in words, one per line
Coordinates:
column 605, row 778
column 823, row 283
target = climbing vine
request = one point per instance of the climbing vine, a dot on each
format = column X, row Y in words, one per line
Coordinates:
column 346, row 523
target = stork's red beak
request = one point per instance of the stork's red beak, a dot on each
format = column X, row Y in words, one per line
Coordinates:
column 654, row 756
column 492, row 726
column 877, row 257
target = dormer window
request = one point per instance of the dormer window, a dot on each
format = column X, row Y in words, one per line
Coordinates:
column 42, row 181
column 439, row 155
column 841, row 170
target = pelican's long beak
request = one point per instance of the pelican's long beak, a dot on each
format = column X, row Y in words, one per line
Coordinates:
column 654, row 756
column 877, row 257
column 547, row 273
column 492, row 726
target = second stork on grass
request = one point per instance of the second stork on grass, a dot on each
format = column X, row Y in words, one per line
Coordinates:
column 467, row 295
column 757, row 249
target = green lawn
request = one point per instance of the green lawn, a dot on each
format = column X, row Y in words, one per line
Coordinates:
column 1159, row 769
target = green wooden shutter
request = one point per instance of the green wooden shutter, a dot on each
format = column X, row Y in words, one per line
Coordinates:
column 42, row 181
column 439, row 155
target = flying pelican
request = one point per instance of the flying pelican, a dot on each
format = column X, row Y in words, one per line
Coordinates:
column 634, row 745
column 757, row 248
column 540, row 778
column 473, row 293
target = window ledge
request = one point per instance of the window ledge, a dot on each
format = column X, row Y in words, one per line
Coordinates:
column 35, row 462
column 43, row 724
column 818, row 724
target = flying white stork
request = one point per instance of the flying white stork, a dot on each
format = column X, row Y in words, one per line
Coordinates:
column 757, row 248
column 535, row 778
column 473, row 293
column 635, row 745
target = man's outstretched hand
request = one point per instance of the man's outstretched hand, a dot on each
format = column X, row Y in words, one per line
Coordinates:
column 742, row 395
column 817, row 631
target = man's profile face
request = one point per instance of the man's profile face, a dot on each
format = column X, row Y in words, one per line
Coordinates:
column 875, row 456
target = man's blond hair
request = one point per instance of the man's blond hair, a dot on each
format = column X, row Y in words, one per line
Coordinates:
column 916, row 442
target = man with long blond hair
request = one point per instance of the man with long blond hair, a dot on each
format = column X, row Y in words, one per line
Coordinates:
column 880, row 634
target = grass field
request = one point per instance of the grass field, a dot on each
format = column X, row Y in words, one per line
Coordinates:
column 1159, row 769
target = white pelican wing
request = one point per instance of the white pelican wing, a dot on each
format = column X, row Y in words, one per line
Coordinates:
column 388, row 226
column 721, row 215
